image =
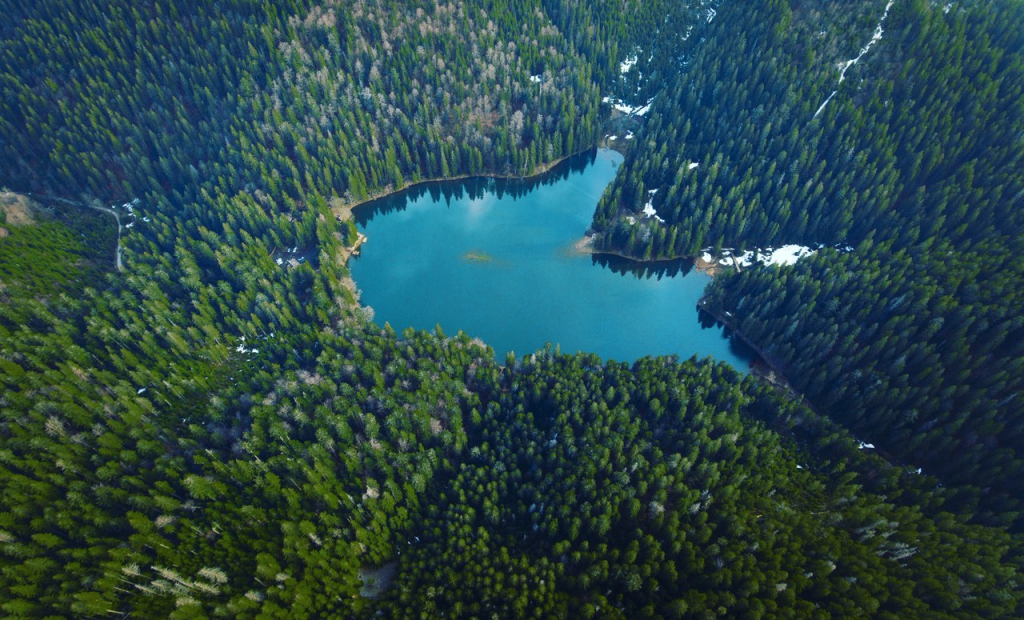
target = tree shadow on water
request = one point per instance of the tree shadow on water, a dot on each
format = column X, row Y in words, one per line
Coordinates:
column 737, row 346
column 656, row 269
column 474, row 188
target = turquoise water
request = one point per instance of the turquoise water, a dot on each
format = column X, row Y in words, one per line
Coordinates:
column 495, row 259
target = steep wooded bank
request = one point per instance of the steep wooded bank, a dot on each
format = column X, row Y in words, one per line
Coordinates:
column 913, row 339
column 212, row 434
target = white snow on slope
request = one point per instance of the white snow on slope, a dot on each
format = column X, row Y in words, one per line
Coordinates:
column 788, row 255
column 784, row 255
column 627, row 109
column 649, row 210
column 844, row 66
column 822, row 106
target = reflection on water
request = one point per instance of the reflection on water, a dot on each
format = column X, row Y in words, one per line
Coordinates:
column 656, row 269
column 473, row 188
column 495, row 258
column 736, row 344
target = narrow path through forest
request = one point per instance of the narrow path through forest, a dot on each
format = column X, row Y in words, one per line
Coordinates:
column 108, row 210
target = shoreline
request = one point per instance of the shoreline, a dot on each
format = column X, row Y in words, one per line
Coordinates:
column 762, row 367
column 348, row 252
column 585, row 245
column 712, row 268
column 343, row 211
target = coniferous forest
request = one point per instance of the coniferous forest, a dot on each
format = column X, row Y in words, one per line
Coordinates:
column 190, row 428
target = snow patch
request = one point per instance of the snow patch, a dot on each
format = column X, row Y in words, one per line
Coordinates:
column 785, row 255
column 536, row 79
column 844, row 66
column 627, row 64
column 875, row 38
column 241, row 347
column 649, row 207
column 650, row 212
column 788, row 255
column 692, row 166
column 822, row 106
column 627, row 109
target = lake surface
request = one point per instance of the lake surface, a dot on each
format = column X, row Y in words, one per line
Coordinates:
column 496, row 259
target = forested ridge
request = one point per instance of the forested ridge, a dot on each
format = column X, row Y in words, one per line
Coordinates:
column 212, row 433
column 914, row 161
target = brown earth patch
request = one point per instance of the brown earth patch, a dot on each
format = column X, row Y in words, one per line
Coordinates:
column 341, row 210
column 712, row 267
column 17, row 208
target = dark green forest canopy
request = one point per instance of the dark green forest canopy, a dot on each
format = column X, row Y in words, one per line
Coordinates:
column 207, row 433
column 915, row 160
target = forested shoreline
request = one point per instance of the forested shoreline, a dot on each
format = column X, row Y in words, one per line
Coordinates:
column 912, row 338
column 211, row 433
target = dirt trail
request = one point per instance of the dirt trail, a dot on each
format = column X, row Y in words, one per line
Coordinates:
column 107, row 210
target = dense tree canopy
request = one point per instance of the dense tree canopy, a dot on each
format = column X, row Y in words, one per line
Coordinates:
column 207, row 432
column 913, row 160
